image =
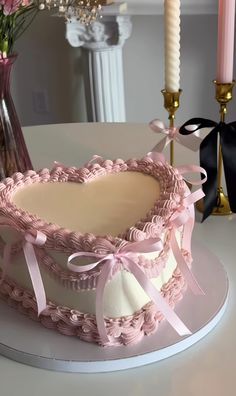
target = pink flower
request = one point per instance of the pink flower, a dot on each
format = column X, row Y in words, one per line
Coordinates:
column 10, row 6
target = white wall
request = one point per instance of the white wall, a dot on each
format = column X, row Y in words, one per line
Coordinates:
column 187, row 6
column 47, row 62
column 144, row 68
column 44, row 64
column 205, row 4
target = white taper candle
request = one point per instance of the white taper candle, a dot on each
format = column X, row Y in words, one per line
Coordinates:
column 172, row 45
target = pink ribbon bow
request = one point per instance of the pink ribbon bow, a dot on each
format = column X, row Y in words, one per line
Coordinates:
column 190, row 141
column 125, row 257
column 30, row 239
column 184, row 217
column 159, row 157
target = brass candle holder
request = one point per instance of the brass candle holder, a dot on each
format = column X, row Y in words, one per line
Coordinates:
column 224, row 94
column 171, row 104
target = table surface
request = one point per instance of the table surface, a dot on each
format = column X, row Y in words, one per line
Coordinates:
column 207, row 368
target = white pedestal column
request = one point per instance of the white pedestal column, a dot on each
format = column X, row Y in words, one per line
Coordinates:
column 102, row 44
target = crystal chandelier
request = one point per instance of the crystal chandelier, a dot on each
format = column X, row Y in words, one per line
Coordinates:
column 85, row 11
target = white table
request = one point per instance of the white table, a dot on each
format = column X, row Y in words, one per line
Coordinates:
column 207, row 368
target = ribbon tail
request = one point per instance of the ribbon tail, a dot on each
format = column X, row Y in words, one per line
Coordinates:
column 162, row 145
column 35, row 275
column 183, row 266
column 189, row 226
column 193, row 169
column 157, row 298
column 156, row 157
column 187, row 232
column 192, row 141
column 6, row 260
column 102, row 280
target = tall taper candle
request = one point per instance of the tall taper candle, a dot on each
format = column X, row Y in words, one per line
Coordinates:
column 172, row 45
column 225, row 51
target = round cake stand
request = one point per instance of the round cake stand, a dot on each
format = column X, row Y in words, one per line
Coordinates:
column 26, row 341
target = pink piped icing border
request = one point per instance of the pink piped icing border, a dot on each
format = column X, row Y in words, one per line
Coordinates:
column 63, row 240
column 172, row 189
column 125, row 330
column 88, row 280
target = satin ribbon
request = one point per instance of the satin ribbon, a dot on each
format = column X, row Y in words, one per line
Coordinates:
column 183, row 217
column 30, row 239
column 156, row 156
column 172, row 134
column 209, row 159
column 159, row 157
column 125, row 258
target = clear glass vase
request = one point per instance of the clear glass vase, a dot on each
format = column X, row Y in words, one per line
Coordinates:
column 14, row 156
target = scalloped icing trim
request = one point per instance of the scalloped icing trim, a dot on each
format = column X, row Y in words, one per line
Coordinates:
column 60, row 239
column 125, row 330
column 87, row 280
column 171, row 195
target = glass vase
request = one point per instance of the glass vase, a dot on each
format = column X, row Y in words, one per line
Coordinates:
column 14, row 156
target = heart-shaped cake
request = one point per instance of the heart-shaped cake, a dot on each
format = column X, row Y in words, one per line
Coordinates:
column 101, row 252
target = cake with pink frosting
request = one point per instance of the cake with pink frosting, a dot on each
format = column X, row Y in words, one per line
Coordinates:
column 102, row 252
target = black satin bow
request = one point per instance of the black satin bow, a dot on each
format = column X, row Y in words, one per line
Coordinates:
column 209, row 158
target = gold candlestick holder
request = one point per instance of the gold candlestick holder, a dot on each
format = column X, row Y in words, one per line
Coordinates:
column 224, row 94
column 171, row 104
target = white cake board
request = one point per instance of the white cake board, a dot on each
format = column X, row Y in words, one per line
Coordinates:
column 26, row 341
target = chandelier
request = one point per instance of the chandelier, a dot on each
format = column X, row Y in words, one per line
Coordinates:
column 85, row 11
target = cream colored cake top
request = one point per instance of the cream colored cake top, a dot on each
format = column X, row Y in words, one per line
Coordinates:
column 106, row 205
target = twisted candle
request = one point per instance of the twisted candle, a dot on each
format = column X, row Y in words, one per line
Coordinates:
column 172, row 45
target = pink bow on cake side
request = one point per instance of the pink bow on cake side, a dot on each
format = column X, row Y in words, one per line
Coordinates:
column 126, row 257
column 183, row 218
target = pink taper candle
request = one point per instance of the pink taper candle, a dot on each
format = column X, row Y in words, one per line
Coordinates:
column 225, row 53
